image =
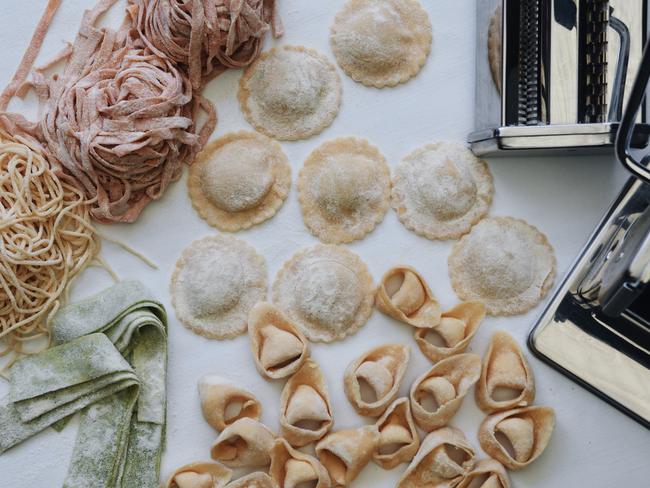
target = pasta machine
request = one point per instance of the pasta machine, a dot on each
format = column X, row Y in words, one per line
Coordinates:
column 596, row 328
column 553, row 75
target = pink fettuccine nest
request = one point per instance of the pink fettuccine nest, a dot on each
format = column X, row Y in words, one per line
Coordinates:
column 121, row 120
column 208, row 36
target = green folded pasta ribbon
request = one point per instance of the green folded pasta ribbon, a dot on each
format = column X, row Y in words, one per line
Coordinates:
column 109, row 363
column 136, row 323
column 55, row 384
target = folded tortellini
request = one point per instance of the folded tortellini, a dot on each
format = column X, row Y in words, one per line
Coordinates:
column 517, row 437
column 488, row 473
column 218, row 396
column 199, row 475
column 346, row 452
column 253, row 480
column 443, row 460
column 382, row 370
column 438, row 394
column 305, row 410
column 291, row 468
column 404, row 295
column 453, row 333
column 506, row 379
column 245, row 443
column 398, row 437
column 278, row 346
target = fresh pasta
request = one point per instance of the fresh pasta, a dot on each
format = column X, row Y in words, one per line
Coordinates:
column 46, row 239
column 121, row 120
column 207, row 36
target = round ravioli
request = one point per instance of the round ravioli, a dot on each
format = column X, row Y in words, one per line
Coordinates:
column 495, row 43
column 216, row 282
column 239, row 180
column 381, row 43
column 505, row 263
column 441, row 190
column 290, row 93
column 327, row 290
column 344, row 189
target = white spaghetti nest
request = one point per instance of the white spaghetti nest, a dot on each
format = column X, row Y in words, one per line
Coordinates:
column 46, row 239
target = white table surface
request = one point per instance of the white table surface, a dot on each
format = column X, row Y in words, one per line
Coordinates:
column 593, row 445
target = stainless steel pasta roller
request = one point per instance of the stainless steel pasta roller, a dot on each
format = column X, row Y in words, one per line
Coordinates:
column 552, row 74
column 596, row 328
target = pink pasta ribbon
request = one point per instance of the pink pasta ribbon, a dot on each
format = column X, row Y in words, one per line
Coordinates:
column 121, row 120
column 208, row 36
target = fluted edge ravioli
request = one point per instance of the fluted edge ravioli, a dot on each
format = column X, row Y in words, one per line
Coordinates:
column 383, row 369
column 494, row 45
column 215, row 283
column 217, row 394
column 344, row 189
column 434, row 466
column 326, row 290
column 411, row 302
column 200, row 474
column 506, row 263
column 246, row 187
column 381, row 48
column 504, row 366
column 397, row 429
column 457, row 327
column 491, row 471
column 305, row 398
column 441, row 190
column 532, row 426
column 290, row 467
column 346, row 452
column 278, row 346
column 279, row 98
column 447, row 382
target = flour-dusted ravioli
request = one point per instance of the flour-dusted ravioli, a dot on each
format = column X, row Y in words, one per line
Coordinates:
column 437, row 395
column 346, row 452
column 399, row 439
column 517, row 437
column 305, row 409
column 219, row 396
column 441, row 190
column 326, row 290
column 290, row 92
column 453, row 333
column 278, row 346
column 506, row 378
column 382, row 370
column 404, row 295
column 344, row 189
column 200, row 475
column 443, row 460
column 239, row 180
column 381, row 43
column 495, row 46
column 505, row 263
column 253, row 480
column 243, row 444
column 488, row 473
column 291, row 468
column 216, row 282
